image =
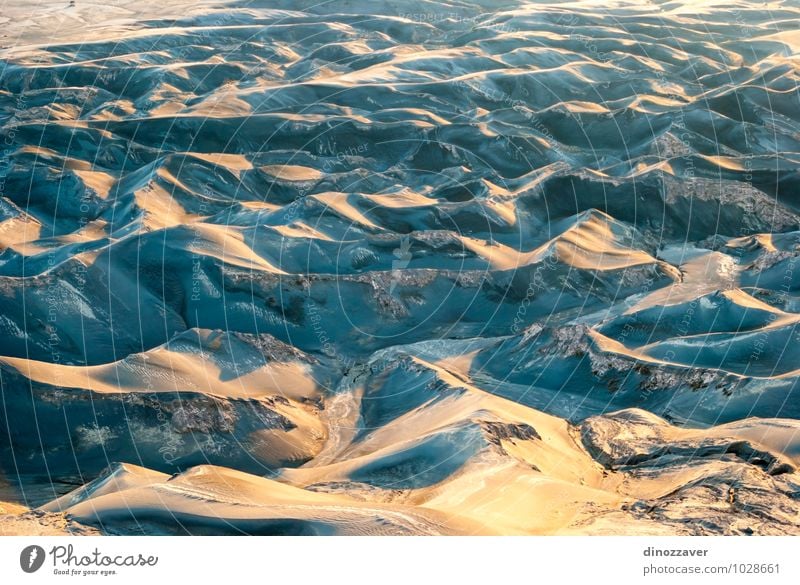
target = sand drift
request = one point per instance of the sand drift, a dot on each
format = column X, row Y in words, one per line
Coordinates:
column 406, row 267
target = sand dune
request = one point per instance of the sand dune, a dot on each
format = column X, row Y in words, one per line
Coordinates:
column 628, row 472
column 399, row 267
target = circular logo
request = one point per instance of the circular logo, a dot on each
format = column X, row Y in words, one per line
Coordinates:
column 31, row 558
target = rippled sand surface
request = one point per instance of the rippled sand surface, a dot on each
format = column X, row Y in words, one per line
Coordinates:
column 407, row 267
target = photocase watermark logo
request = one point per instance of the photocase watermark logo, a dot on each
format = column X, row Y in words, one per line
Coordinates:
column 31, row 558
column 65, row 560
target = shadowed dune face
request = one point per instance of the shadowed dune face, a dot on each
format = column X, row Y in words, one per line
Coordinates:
column 403, row 267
